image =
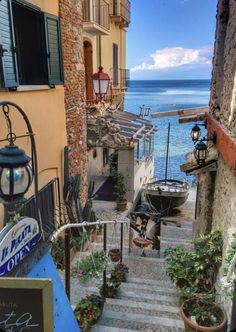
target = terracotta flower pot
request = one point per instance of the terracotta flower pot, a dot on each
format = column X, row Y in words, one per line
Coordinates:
column 121, row 206
column 108, row 291
column 114, row 254
column 190, row 326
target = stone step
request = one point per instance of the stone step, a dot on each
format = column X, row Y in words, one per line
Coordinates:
column 124, row 305
column 140, row 322
column 159, row 289
column 151, row 297
column 151, row 282
column 176, row 232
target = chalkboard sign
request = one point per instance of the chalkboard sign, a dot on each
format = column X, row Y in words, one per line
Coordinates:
column 26, row 305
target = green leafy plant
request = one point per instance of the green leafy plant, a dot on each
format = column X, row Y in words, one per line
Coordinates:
column 203, row 311
column 120, row 187
column 88, row 310
column 90, row 267
column 195, row 271
column 230, row 254
column 120, row 270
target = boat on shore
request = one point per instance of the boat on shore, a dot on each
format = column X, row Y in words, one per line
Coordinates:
column 166, row 194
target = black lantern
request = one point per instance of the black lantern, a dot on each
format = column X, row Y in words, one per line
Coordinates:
column 196, row 132
column 100, row 83
column 200, row 152
column 15, row 173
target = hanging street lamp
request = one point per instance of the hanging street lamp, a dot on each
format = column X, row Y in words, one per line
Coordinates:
column 195, row 133
column 200, row 152
column 101, row 82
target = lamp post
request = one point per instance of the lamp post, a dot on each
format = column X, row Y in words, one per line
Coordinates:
column 100, row 83
column 17, row 170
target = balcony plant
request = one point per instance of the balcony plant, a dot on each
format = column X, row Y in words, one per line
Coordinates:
column 88, row 311
column 120, row 190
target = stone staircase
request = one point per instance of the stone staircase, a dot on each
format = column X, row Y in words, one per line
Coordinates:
column 147, row 301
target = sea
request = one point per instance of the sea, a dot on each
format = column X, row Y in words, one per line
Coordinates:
column 168, row 95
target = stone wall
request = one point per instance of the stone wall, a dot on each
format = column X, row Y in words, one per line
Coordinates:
column 223, row 92
column 76, row 120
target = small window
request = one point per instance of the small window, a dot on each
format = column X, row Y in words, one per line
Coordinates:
column 30, row 45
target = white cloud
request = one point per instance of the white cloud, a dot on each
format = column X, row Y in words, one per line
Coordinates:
column 173, row 57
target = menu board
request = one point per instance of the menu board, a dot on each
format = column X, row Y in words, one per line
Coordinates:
column 26, row 305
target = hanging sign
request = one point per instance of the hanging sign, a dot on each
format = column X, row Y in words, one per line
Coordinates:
column 17, row 243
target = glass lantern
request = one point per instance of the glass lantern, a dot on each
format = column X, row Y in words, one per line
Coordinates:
column 200, row 152
column 15, row 173
column 100, row 83
column 196, row 132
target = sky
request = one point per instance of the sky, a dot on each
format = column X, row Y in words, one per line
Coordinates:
column 171, row 39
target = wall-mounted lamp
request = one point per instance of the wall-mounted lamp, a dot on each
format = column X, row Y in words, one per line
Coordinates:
column 100, row 83
column 17, row 170
column 200, row 151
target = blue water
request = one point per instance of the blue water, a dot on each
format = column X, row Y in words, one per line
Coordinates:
column 165, row 96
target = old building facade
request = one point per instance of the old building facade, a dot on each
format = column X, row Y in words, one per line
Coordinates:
column 217, row 190
column 42, row 71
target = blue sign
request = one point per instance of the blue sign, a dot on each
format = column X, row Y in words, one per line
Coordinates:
column 64, row 319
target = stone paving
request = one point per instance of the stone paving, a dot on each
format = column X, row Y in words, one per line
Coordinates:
column 148, row 301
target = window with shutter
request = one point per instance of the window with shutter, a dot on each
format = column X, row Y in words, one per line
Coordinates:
column 30, row 45
column 54, row 54
column 8, row 70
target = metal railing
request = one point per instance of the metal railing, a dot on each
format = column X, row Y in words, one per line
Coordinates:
column 96, row 11
column 48, row 201
column 121, row 8
column 66, row 228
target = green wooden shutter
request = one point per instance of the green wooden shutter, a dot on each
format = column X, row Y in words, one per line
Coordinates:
column 54, row 50
column 7, row 47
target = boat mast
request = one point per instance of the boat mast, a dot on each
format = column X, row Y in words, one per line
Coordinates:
column 167, row 151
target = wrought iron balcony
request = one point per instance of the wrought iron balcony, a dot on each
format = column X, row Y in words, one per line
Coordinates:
column 96, row 16
column 120, row 12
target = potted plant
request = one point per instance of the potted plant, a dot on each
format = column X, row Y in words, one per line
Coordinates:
column 120, row 190
column 195, row 271
column 88, row 311
column 202, row 314
column 112, row 285
column 122, row 270
column 114, row 254
column 90, row 267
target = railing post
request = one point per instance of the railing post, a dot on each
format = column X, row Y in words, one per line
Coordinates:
column 105, row 250
column 67, row 262
column 121, row 242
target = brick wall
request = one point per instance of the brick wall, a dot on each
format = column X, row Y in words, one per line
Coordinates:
column 76, row 122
